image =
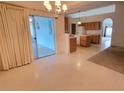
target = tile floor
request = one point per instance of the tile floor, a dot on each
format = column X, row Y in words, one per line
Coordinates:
column 63, row 72
column 42, row 51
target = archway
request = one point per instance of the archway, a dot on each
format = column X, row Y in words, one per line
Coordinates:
column 107, row 32
column 107, row 27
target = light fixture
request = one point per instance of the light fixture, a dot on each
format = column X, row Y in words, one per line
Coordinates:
column 59, row 7
column 64, row 7
column 58, row 3
column 79, row 21
column 46, row 3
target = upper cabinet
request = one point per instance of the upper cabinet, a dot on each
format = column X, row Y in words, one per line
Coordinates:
column 91, row 25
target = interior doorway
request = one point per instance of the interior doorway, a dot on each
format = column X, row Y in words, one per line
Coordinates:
column 43, row 36
column 107, row 25
column 73, row 29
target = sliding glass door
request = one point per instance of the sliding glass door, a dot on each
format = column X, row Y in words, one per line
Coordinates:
column 43, row 36
column 33, row 35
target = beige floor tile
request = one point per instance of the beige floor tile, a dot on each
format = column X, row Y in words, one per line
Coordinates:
column 63, row 72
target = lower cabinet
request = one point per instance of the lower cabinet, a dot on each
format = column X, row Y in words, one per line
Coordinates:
column 85, row 40
column 73, row 44
column 95, row 39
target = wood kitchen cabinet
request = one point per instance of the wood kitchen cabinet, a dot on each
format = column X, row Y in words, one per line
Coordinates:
column 73, row 44
column 95, row 39
column 91, row 25
column 85, row 40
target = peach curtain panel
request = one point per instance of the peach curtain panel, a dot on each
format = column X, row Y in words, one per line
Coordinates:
column 15, row 38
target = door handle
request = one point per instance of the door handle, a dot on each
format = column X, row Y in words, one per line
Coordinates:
column 35, row 38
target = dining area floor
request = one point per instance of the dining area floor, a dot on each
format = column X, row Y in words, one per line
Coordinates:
column 63, row 72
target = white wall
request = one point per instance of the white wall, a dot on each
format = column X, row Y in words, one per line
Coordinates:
column 118, row 26
column 60, row 35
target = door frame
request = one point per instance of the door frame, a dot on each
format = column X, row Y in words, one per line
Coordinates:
column 34, row 31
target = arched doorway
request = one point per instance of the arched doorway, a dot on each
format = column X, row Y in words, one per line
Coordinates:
column 107, row 32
